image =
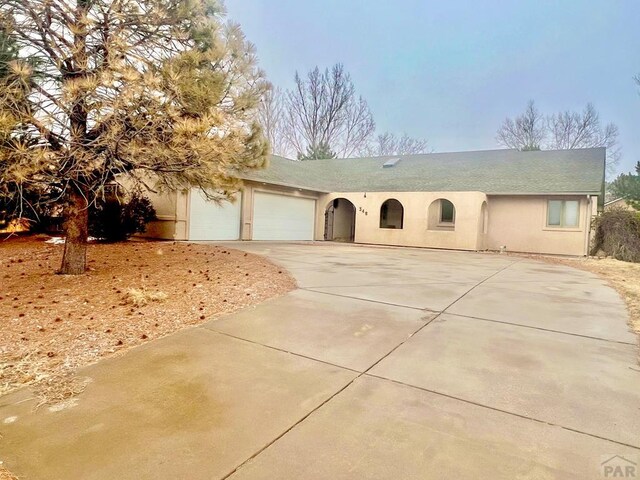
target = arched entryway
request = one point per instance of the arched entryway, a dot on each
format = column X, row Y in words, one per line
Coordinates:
column 340, row 221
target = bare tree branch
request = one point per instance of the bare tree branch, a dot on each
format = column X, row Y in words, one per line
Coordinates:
column 562, row 131
column 525, row 132
column 570, row 130
column 323, row 111
column 388, row 144
column 271, row 115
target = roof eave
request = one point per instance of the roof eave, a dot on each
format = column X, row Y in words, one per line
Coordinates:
column 284, row 184
column 594, row 192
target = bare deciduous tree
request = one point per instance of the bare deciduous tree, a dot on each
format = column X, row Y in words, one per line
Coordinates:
column 322, row 109
column 323, row 118
column 358, row 129
column 525, row 132
column 389, row 144
column 562, row 131
column 570, row 130
column 271, row 116
column 131, row 89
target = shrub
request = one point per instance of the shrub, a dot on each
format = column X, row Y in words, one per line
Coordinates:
column 115, row 219
column 35, row 208
column 617, row 234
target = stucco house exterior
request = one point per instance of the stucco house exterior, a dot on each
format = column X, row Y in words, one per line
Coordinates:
column 537, row 202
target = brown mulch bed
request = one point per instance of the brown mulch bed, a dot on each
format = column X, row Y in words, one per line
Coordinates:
column 133, row 292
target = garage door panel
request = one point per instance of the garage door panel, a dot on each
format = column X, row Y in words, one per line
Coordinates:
column 283, row 217
column 210, row 221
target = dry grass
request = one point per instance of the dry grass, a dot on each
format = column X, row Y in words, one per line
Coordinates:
column 133, row 292
column 6, row 474
column 139, row 297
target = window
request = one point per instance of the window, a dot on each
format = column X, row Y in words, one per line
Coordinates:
column 441, row 215
column 484, row 218
column 447, row 211
column 391, row 214
column 563, row 213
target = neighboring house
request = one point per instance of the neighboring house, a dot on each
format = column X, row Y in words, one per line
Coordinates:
column 618, row 203
column 538, row 202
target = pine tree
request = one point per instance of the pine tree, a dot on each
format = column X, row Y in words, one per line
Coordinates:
column 317, row 152
column 627, row 186
column 158, row 92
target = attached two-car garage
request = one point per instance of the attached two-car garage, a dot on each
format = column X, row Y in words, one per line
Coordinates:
column 275, row 217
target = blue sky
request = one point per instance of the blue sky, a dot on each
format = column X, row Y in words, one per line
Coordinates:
column 451, row 71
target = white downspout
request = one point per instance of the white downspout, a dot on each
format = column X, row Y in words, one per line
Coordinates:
column 188, row 214
column 587, row 227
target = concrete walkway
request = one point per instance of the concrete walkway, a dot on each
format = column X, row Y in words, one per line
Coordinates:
column 386, row 363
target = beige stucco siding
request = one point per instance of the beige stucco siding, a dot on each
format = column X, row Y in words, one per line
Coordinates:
column 171, row 210
column 171, row 215
column 415, row 231
column 520, row 224
column 481, row 222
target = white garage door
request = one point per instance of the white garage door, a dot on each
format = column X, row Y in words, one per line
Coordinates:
column 281, row 217
column 209, row 221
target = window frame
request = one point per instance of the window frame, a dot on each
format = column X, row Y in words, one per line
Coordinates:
column 563, row 208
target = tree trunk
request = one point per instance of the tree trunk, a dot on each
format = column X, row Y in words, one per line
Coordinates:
column 76, row 227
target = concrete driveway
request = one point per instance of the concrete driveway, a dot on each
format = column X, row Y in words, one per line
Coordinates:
column 386, row 363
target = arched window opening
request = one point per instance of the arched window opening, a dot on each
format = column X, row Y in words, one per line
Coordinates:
column 447, row 212
column 391, row 214
column 441, row 215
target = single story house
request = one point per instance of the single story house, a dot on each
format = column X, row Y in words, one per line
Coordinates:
column 537, row 202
